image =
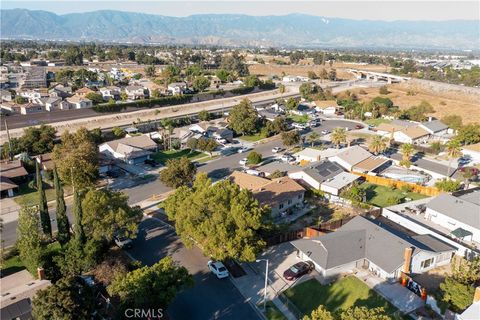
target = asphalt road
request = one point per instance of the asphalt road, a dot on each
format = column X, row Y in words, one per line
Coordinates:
column 210, row 298
column 216, row 169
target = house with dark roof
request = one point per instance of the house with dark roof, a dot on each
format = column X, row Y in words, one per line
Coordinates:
column 435, row 127
column 316, row 173
column 12, row 173
column 362, row 243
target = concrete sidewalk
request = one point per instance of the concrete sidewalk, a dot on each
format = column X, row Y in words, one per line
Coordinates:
column 252, row 286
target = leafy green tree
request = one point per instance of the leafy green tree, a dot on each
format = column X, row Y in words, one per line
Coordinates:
column 63, row 300
column 419, row 113
column 95, row 97
column 204, row 115
column 453, row 121
column 469, row 174
column 243, row 118
column 282, row 88
column 321, row 313
column 106, row 212
column 201, row 83
column 78, row 231
column 234, row 64
column 223, row 219
column 63, row 226
column 73, row 56
column 123, row 96
column 363, row 313
column 254, row 158
column 468, row 134
column 307, row 89
column 292, row 104
column 194, row 71
column 150, row 71
column 178, row 172
column 192, row 144
column 42, row 203
column 290, row 138
column 459, row 295
column 338, row 136
column 118, row 132
column 447, row 185
column 162, row 281
column 251, row 81
column 223, row 75
column 29, row 239
column 207, row 145
column 354, row 193
column 156, row 94
column 277, row 174
column 19, row 100
column 76, row 158
column 313, row 138
column 34, row 141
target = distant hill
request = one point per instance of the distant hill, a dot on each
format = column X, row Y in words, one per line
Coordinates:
column 238, row 30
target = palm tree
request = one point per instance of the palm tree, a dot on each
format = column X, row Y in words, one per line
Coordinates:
column 454, row 150
column 339, row 136
column 377, row 145
column 407, row 152
column 313, row 137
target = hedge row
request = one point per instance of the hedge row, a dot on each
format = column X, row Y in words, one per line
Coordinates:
column 147, row 103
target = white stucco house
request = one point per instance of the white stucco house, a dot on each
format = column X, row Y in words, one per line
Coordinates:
column 132, row 150
column 77, row 102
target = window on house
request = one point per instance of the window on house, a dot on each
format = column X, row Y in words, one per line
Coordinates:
column 427, row 263
column 289, row 201
column 299, row 196
column 280, row 206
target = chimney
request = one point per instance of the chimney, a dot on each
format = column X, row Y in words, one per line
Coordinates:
column 476, row 296
column 41, row 273
column 407, row 256
column 430, row 119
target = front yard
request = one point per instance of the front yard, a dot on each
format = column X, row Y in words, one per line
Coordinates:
column 377, row 122
column 381, row 196
column 253, row 137
column 163, row 156
column 342, row 294
column 28, row 196
column 299, row 119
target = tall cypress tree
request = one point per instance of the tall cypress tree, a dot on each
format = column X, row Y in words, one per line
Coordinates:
column 42, row 205
column 63, row 226
column 77, row 214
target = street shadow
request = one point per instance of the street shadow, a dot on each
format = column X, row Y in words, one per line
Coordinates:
column 219, row 173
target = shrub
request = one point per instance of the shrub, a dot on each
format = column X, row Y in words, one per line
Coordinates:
column 393, row 200
column 447, row 185
column 406, row 188
column 254, row 158
column 383, row 90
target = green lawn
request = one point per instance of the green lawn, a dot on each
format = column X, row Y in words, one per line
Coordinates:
column 28, row 196
column 12, row 265
column 377, row 122
column 379, row 195
column 272, row 312
column 342, row 294
column 253, row 137
column 300, row 119
column 163, row 156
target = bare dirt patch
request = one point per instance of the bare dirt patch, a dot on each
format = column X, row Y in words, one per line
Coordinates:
column 444, row 103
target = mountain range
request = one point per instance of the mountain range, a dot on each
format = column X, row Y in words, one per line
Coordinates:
column 293, row 30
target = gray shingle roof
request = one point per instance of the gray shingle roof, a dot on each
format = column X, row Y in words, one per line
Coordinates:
column 458, row 208
column 435, row 125
column 324, row 170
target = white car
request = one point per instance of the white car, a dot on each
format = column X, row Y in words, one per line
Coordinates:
column 243, row 162
column 300, row 126
column 287, row 158
column 276, row 150
column 243, row 149
column 122, row 241
column 218, row 269
column 325, row 132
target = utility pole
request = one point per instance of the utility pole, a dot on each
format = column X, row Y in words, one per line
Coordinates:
column 10, row 154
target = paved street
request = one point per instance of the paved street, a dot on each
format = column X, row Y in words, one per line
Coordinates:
column 210, row 298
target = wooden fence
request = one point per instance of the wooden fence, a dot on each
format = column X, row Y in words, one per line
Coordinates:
column 427, row 191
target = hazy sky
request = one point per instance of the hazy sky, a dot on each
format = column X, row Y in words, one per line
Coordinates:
column 352, row 9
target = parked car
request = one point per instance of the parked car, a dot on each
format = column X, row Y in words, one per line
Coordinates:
column 358, row 126
column 314, row 123
column 287, row 158
column 218, row 269
column 122, row 241
column 299, row 126
column 325, row 131
column 277, row 149
column 243, row 162
column 255, row 173
column 297, row 270
column 243, row 149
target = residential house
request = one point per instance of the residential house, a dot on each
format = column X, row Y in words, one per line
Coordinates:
column 35, row 78
column 281, row 195
column 457, row 212
column 31, row 95
column 269, row 114
column 372, row 165
column 308, row 155
column 60, row 91
column 52, row 103
column 328, row 107
column 281, row 166
column 316, row 173
column 78, row 102
column 11, row 174
column 132, row 150
column 304, row 109
column 387, row 129
column 5, row 96
column 110, row 92
column 10, row 107
column 213, row 129
column 472, row 151
column 351, row 156
column 82, row 92
column 414, row 135
column 368, row 244
column 29, row 108
column 435, row 128
column 45, row 161
column 135, row 92
column 336, row 184
column 177, row 88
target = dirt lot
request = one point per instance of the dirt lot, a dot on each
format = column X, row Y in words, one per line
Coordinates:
column 445, row 103
column 305, row 66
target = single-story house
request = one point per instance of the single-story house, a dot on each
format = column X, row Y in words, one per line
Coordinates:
column 413, row 135
column 315, row 174
column 290, row 78
column 29, row 108
column 60, row 91
column 368, row 244
column 213, row 129
column 351, row 156
column 339, row 182
column 269, row 114
column 45, row 161
column 435, row 127
column 10, row 107
column 328, row 107
column 82, row 92
column 110, row 92
column 372, row 165
column 473, row 152
column 53, row 103
column 11, row 174
column 135, row 92
column 308, row 155
column 132, row 150
column 177, row 87
column 78, row 102
column 458, row 212
column 281, row 194
column 304, row 109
